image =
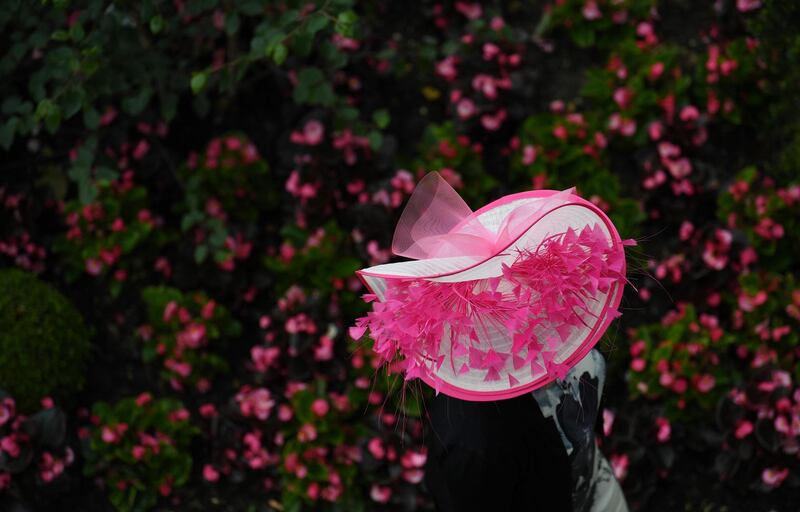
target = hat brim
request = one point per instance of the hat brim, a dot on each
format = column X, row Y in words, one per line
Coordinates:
column 576, row 214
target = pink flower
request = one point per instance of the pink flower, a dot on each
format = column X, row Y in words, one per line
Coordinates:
column 313, row 132
column 264, row 357
column 258, row 402
column 528, row 155
column 5, row 480
column 413, row 459
column 9, row 445
column 324, row 351
column 142, row 148
column 7, row 410
column 466, row 108
column 380, row 493
column 285, row 413
column 747, row 5
column 656, row 70
column 375, row 447
column 623, row 96
column 138, row 452
column 144, row 399
column 493, row 122
column 619, row 463
column 590, row 10
column 680, row 386
column 664, row 430
column 679, row 168
column 50, row 467
column 689, row 113
column 705, row 383
column 655, row 130
column 413, row 476
column 307, row 432
column 471, row 11
column 743, row 429
column 109, row 435
column 320, row 407
column 560, row 132
column 94, row 266
column 192, row 336
column 490, row 51
column 638, row 364
column 608, row 421
column 497, row 23
column 446, row 68
column 210, row 474
column 686, row 230
column 774, row 476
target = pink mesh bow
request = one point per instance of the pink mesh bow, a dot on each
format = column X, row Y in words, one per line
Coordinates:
column 437, row 223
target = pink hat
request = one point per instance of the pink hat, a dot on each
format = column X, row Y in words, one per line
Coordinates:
column 499, row 301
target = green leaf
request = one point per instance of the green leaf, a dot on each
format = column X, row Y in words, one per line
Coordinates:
column 7, row 131
column 200, row 254
column 302, row 42
column 103, row 172
column 76, row 32
column 71, row 102
column 49, row 112
column 169, row 106
column 375, row 139
column 279, row 54
column 316, row 22
column 91, row 118
column 134, row 105
column 198, row 82
column 232, row 23
column 345, row 23
column 12, row 105
column 381, row 118
column 156, row 24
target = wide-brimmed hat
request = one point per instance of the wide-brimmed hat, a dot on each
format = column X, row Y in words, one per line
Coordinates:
column 496, row 302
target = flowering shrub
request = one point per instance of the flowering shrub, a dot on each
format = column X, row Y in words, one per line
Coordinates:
column 33, row 451
column 601, row 22
column 311, row 257
column 681, row 362
column 761, row 424
column 456, row 158
column 766, row 213
column 183, row 332
column 139, row 447
column 44, row 342
column 103, row 235
column 237, row 161
column 561, row 149
column 225, row 187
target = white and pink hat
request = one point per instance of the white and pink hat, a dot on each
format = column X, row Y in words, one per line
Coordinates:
column 499, row 301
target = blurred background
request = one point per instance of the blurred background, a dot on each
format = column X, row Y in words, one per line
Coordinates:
column 187, row 188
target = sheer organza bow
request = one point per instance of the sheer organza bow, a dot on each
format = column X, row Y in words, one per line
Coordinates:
column 438, row 223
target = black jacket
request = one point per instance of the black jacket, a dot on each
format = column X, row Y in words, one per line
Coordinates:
column 495, row 456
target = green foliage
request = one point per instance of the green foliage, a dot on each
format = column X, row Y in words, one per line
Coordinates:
column 140, row 447
column 334, row 437
column 79, row 67
column 104, row 233
column 225, row 190
column 442, row 149
column 573, row 158
column 44, row 344
column 768, row 214
column 684, row 363
column 318, row 259
column 613, row 22
column 184, row 332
